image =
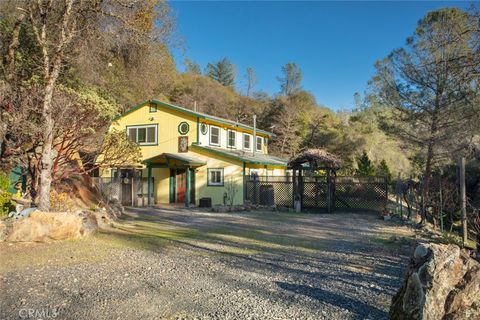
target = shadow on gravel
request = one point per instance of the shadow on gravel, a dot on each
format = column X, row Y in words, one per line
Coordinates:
column 360, row 309
column 339, row 250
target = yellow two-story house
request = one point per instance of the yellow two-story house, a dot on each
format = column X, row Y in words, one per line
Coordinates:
column 188, row 155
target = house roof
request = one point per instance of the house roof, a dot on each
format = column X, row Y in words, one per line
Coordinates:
column 195, row 114
column 243, row 156
column 182, row 157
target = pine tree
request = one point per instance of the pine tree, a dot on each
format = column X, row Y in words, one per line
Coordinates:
column 384, row 170
column 365, row 166
column 291, row 81
column 222, row 71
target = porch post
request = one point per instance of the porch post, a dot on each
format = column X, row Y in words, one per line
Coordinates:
column 244, row 183
column 149, row 185
column 187, row 187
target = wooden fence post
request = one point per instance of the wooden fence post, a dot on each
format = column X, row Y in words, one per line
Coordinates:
column 463, row 201
column 329, row 191
column 386, row 195
column 294, row 187
column 301, row 187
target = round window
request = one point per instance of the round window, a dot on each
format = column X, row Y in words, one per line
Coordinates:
column 204, row 128
column 183, row 128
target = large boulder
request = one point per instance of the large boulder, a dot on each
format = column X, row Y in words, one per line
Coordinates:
column 44, row 226
column 441, row 282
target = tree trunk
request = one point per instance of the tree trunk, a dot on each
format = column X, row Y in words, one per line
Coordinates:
column 426, row 181
column 47, row 156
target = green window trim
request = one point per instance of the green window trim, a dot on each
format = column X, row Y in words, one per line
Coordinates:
column 219, row 136
column 222, row 177
column 203, row 128
column 152, row 108
column 183, row 128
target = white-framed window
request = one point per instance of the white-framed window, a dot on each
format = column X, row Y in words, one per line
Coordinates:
column 215, row 177
column 214, row 135
column 247, row 141
column 231, row 139
column 143, row 135
column 259, row 144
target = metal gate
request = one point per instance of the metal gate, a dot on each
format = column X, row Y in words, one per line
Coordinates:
column 318, row 193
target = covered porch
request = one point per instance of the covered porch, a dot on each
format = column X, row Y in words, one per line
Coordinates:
column 180, row 170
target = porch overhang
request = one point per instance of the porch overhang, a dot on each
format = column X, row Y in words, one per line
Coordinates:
column 173, row 160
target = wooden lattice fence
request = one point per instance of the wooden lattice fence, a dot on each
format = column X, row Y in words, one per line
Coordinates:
column 316, row 192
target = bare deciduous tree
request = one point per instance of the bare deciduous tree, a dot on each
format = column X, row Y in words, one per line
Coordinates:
column 60, row 29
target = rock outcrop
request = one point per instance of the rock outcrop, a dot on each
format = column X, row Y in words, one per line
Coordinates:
column 441, row 282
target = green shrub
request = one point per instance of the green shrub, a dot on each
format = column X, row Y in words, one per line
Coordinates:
column 6, row 204
column 4, row 182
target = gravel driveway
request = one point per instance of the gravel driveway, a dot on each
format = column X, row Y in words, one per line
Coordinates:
column 180, row 264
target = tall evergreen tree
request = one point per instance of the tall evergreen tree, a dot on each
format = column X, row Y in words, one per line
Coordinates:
column 222, row 71
column 432, row 86
column 384, row 170
column 291, row 79
column 365, row 166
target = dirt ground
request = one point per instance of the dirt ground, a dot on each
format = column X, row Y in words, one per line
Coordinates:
column 192, row 264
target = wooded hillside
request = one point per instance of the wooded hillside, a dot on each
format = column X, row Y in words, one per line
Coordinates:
column 109, row 55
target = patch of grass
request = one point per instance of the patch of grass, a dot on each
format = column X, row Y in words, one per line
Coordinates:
column 453, row 238
column 147, row 234
column 15, row 256
column 389, row 239
column 386, row 241
column 266, row 239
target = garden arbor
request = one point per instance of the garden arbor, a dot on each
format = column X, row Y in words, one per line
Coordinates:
column 314, row 173
column 314, row 186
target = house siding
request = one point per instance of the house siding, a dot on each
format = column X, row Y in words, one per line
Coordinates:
column 167, row 135
column 168, row 121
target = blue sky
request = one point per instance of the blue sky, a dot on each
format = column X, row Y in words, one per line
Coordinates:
column 334, row 43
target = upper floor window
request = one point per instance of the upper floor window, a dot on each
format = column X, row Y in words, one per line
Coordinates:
column 214, row 135
column 232, row 137
column 259, row 143
column 247, row 144
column 143, row 135
column 153, row 108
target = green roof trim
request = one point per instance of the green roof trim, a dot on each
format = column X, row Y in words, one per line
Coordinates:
column 258, row 158
column 194, row 114
column 176, row 156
